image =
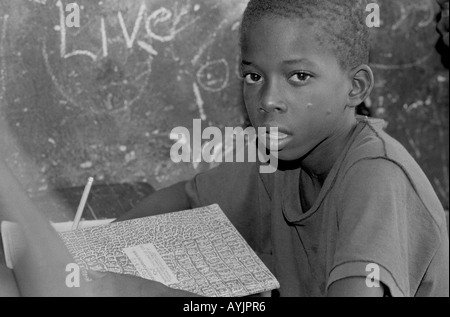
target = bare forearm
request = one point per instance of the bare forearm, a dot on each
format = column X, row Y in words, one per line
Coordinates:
column 39, row 267
column 167, row 200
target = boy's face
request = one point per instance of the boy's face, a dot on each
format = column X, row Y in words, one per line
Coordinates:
column 293, row 83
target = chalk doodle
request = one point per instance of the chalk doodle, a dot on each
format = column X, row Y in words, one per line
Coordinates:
column 55, row 81
column 417, row 63
column 200, row 102
column 410, row 10
column 2, row 59
column 145, row 74
column 104, row 38
column 39, row 1
column 400, row 20
column 208, row 42
column 214, row 76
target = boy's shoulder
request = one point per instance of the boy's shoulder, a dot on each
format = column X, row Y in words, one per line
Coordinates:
column 381, row 190
column 373, row 142
column 392, row 160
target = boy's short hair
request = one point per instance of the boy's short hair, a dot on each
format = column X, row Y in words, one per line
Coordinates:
column 340, row 24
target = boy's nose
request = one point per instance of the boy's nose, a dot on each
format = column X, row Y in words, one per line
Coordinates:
column 273, row 106
column 271, row 101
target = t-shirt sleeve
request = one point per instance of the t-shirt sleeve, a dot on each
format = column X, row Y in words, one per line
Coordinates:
column 385, row 234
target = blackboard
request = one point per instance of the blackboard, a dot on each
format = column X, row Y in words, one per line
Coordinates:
column 101, row 100
column 411, row 90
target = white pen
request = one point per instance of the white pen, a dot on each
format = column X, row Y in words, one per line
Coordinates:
column 82, row 204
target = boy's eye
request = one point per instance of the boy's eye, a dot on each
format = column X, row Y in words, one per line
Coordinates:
column 252, row 78
column 300, row 77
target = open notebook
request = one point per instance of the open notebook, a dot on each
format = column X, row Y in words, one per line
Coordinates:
column 197, row 250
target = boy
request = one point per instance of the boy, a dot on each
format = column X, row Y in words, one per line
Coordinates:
column 347, row 199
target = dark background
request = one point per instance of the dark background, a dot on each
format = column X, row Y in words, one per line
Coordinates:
column 109, row 114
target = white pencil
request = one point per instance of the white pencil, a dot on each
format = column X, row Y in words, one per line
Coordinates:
column 82, row 204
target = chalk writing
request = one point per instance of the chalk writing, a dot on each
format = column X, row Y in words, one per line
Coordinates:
column 152, row 20
column 140, row 80
column 147, row 47
column 161, row 25
column 159, row 16
column 163, row 15
column 62, row 29
column 129, row 40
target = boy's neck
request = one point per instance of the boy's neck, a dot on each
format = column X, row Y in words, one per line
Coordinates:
column 318, row 163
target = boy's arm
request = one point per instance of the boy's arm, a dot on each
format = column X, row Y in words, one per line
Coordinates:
column 39, row 269
column 166, row 200
column 385, row 233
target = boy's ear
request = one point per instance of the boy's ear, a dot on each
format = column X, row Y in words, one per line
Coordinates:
column 362, row 85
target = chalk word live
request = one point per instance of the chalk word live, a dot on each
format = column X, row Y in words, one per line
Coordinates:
column 159, row 16
column 237, row 139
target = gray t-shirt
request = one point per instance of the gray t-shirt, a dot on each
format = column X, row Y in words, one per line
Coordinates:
column 377, row 216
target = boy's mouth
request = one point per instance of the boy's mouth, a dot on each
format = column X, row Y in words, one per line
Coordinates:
column 276, row 138
column 277, row 135
column 277, row 142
